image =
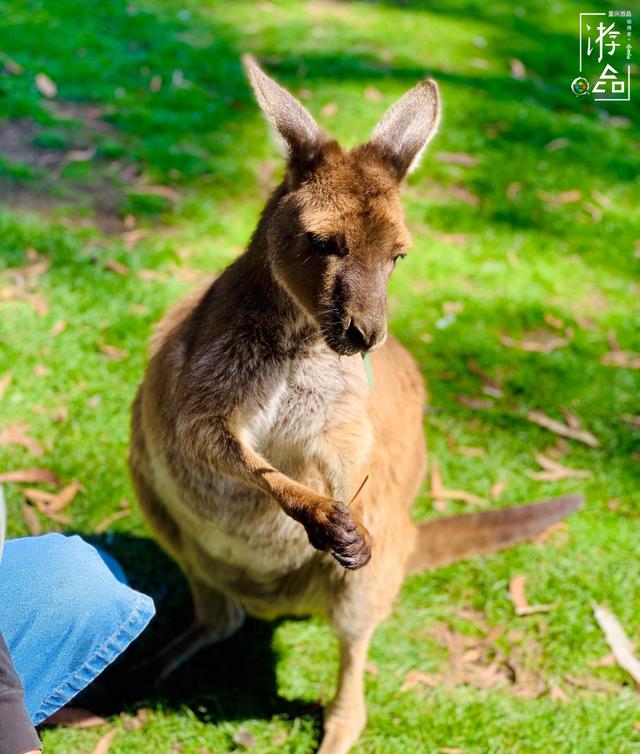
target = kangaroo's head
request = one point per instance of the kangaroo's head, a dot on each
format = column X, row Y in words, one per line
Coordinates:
column 335, row 230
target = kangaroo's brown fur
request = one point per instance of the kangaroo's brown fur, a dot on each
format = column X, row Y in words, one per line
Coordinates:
column 255, row 417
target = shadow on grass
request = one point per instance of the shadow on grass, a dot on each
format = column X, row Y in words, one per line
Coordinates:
column 233, row 680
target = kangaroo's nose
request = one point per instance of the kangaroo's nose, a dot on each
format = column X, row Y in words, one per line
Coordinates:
column 361, row 335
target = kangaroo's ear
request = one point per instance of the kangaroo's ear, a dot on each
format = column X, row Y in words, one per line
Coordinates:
column 408, row 126
column 295, row 130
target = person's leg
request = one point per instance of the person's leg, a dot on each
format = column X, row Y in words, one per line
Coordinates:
column 65, row 616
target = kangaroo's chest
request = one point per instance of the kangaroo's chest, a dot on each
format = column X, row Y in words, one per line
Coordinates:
column 296, row 410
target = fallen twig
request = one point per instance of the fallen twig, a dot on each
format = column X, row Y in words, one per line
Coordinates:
column 618, row 641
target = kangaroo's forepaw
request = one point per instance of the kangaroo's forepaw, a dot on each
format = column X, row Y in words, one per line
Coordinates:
column 333, row 529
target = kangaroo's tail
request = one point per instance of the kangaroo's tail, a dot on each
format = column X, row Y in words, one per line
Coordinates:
column 448, row 540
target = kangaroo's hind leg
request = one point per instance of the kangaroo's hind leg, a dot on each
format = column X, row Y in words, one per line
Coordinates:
column 346, row 716
column 216, row 617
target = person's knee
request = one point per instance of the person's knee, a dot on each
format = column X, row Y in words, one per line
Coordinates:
column 81, row 591
column 69, row 616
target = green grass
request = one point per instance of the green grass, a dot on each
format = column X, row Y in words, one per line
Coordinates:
column 522, row 258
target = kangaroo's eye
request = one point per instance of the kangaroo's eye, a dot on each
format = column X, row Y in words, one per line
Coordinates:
column 326, row 245
column 402, row 255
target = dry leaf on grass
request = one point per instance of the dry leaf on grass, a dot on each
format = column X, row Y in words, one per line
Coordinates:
column 329, row 110
column 449, row 750
column 560, row 526
column 621, row 359
column 593, row 210
column 131, row 238
column 10, row 66
column 106, row 522
column 50, row 502
column 517, row 591
column 471, row 451
column 15, row 433
column 60, row 414
column 4, row 383
column 135, row 722
column 584, row 323
column 557, row 200
column 417, row 678
column 557, row 694
column 245, row 738
column 74, row 717
column 457, row 158
column 496, row 490
column 46, row 86
column 114, row 266
column 480, row 63
column 58, row 327
column 527, row 684
column 564, row 430
column 25, row 279
column 457, row 239
column 477, row 661
column 538, row 341
column 112, row 352
column 462, row 194
column 35, row 267
column 512, row 190
column 555, row 144
column 16, row 293
column 278, row 739
column 166, row 192
column 554, row 321
column 31, row 520
column 558, row 450
column 490, row 386
column 593, row 684
column 151, row 276
column 59, row 518
column 373, row 94
column 30, row 476
column 634, row 421
column 554, row 471
column 607, row 661
column 439, row 492
column 104, row 744
column 619, row 642
column 518, row 71
column 80, row 155
column 476, row 404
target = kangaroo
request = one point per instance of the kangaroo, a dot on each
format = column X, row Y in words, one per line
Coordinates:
column 256, row 424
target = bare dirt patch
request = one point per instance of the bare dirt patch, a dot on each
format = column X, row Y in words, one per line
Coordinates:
column 45, row 190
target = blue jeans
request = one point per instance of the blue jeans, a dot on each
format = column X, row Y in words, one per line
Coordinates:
column 66, row 613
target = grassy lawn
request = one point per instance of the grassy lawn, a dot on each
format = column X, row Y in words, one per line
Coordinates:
column 152, row 160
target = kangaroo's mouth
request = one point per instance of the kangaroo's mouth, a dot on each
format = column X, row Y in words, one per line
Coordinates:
column 338, row 342
column 344, row 340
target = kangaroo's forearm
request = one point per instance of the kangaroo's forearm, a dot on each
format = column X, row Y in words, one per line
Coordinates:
column 222, row 448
